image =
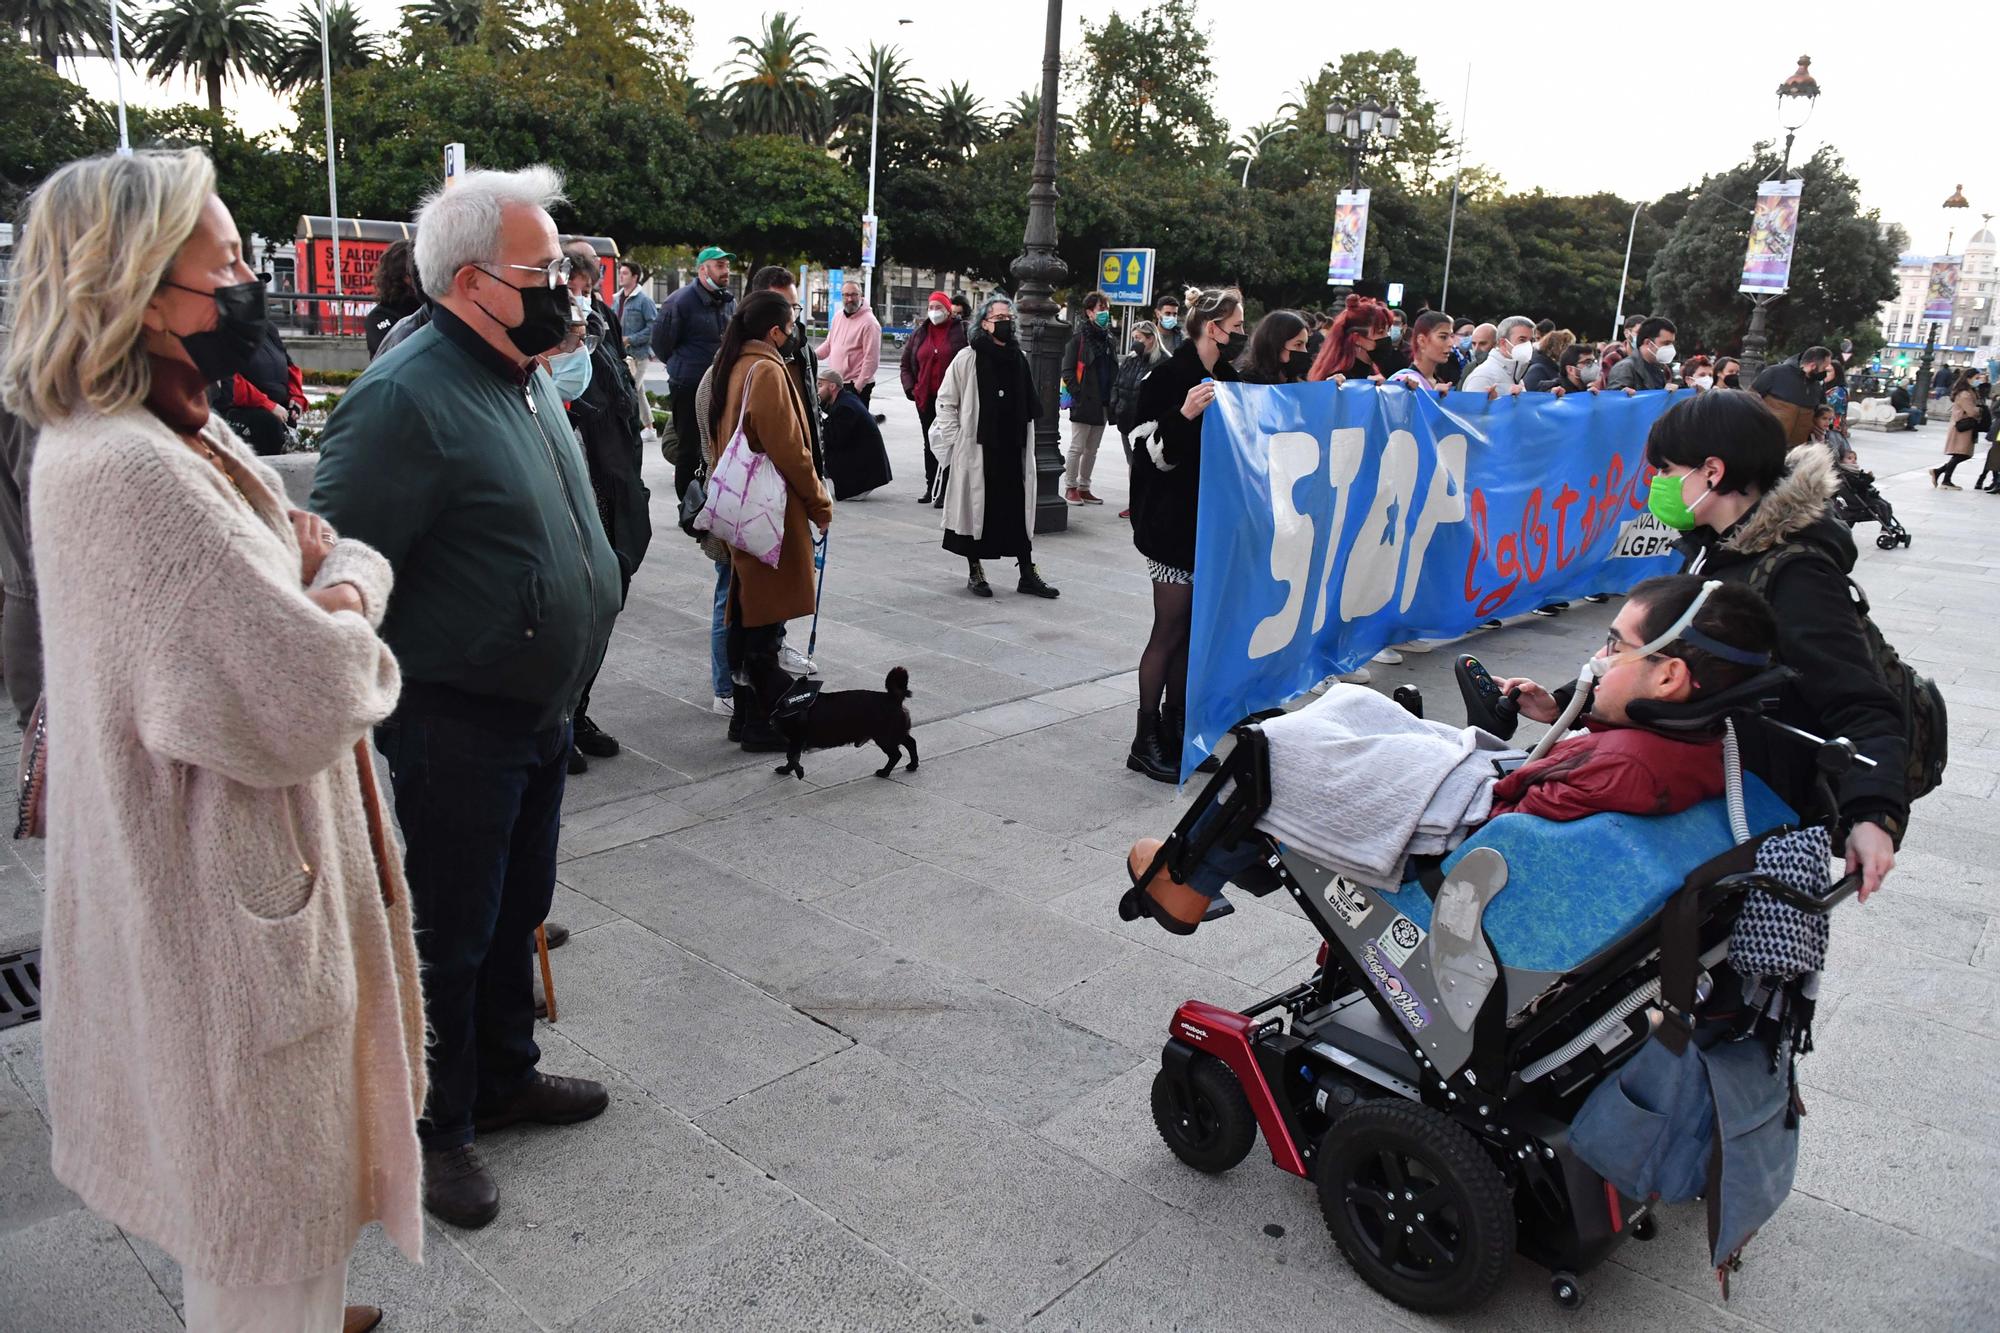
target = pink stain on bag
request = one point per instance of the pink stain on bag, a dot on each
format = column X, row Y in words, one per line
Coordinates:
column 746, row 496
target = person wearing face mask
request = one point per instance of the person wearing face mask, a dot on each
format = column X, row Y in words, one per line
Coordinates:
column 1142, row 355
column 1277, row 350
column 1728, row 373
column 984, row 437
column 453, row 457
column 853, row 344
column 1167, row 320
column 1352, row 339
column 1544, row 372
column 1504, row 366
column 1166, row 499
column 1392, row 353
column 1724, row 478
column 263, row 401
column 216, row 844
column 1473, row 353
column 685, row 336
column 1697, row 373
column 926, row 356
column 1578, row 368
column 1090, row 367
column 1651, row 364
column 1794, row 389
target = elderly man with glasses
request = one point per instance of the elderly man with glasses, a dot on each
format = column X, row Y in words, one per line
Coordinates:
column 452, row 456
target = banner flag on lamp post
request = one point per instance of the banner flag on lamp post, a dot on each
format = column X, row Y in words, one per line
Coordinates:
column 1350, row 235
column 1941, row 292
column 1774, row 228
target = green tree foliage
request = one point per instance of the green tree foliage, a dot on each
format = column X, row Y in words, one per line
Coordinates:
column 493, row 24
column 962, row 124
column 266, row 183
column 49, row 121
column 59, row 29
column 850, row 94
column 1418, row 159
column 1843, row 264
column 210, row 41
column 351, row 44
column 1147, row 86
column 776, row 88
column 631, row 47
column 779, row 198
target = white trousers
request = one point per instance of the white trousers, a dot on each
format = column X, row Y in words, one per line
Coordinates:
column 310, row 1305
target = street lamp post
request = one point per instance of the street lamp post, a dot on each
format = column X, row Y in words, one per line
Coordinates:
column 332, row 182
column 1037, row 273
column 874, row 130
column 1923, row 395
column 1797, row 96
column 1257, row 148
column 1360, row 125
column 1631, row 234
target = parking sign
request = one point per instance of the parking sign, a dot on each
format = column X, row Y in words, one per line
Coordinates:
column 1126, row 276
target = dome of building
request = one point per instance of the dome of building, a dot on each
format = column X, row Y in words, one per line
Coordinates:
column 1984, row 237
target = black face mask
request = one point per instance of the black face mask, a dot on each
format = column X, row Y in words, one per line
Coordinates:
column 1731, row 382
column 1295, row 363
column 544, row 318
column 1003, row 330
column 240, row 327
column 1233, row 343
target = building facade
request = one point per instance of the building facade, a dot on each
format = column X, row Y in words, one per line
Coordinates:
column 1972, row 337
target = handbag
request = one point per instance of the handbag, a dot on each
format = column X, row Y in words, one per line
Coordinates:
column 745, row 500
column 29, row 816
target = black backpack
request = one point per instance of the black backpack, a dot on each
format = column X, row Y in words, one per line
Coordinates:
column 1925, row 729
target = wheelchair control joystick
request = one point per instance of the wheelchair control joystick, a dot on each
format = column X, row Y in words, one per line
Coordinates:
column 1485, row 706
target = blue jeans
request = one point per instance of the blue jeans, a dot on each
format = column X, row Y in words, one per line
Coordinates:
column 1220, row 864
column 718, row 636
column 480, row 806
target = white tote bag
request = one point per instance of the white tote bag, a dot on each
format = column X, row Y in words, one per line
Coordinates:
column 746, row 496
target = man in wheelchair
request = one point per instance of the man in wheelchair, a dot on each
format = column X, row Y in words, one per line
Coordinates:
column 1675, row 640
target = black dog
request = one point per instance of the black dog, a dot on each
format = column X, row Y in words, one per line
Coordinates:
column 854, row 717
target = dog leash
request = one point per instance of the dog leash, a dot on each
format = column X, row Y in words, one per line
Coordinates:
column 819, row 561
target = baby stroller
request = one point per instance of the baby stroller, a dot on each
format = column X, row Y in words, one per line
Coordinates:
column 1426, row 1076
column 1857, row 501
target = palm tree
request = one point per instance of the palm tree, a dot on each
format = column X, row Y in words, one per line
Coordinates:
column 208, row 40
column 962, row 124
column 851, row 95
column 705, row 110
column 1024, row 113
column 497, row 23
column 297, row 63
column 59, row 29
column 774, row 91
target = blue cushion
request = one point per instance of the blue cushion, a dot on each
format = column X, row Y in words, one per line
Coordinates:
column 1575, row 888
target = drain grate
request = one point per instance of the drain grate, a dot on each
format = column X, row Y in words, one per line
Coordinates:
column 20, row 987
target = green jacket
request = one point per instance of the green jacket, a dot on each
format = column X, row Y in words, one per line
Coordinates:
column 467, row 476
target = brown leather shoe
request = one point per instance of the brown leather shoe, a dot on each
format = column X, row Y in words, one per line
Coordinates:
column 1175, row 905
column 360, row 1318
column 549, row 1099
column 458, row 1188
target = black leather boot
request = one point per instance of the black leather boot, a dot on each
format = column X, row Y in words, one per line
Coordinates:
column 1173, row 740
column 1146, row 755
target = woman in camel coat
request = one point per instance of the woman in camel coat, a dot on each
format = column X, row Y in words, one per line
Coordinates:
column 761, row 392
column 1961, row 433
column 234, row 1041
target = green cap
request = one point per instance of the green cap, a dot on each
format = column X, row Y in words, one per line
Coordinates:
column 712, row 252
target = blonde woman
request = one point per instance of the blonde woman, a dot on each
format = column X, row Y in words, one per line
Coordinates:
column 234, row 1039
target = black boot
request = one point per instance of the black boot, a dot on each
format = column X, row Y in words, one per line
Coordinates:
column 1033, row 584
column 975, row 579
column 1146, row 755
column 763, row 685
column 1173, row 739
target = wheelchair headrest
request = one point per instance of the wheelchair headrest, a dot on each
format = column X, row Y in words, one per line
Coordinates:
column 1706, row 712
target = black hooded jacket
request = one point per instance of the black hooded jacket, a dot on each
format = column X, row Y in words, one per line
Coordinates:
column 1839, row 690
column 1166, row 459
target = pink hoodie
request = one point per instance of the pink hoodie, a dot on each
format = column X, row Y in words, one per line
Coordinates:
column 853, row 346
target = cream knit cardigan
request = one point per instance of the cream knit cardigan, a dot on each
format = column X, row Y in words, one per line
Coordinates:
column 234, row 1046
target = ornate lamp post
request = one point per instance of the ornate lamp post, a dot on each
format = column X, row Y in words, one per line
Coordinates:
column 1367, row 127
column 1797, row 96
column 1923, row 396
column 1037, row 273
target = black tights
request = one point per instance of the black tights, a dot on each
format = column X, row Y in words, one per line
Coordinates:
column 1163, row 666
column 1951, row 463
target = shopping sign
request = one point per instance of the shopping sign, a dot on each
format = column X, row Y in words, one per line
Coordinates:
column 1126, row 276
column 1336, row 520
column 1941, row 292
column 1350, row 237
column 1774, row 227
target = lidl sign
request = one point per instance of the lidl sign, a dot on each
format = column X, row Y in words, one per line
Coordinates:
column 1126, row 276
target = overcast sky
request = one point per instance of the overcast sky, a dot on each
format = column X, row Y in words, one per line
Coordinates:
column 1571, row 100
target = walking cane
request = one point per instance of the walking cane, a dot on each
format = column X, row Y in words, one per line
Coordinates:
column 819, row 561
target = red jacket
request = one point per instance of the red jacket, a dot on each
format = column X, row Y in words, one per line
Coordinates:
column 926, row 356
column 245, row 394
column 1625, row 769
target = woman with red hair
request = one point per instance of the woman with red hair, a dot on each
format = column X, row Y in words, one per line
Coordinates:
column 1349, row 350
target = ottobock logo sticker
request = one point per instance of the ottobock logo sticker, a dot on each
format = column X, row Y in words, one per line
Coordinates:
column 1395, row 988
column 1401, row 939
column 1350, row 904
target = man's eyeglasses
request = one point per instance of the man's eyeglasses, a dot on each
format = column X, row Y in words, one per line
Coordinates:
column 556, row 273
column 1614, row 646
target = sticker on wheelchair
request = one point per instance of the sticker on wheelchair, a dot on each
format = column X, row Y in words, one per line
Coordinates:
column 1352, row 905
column 1401, row 939
column 1395, row 987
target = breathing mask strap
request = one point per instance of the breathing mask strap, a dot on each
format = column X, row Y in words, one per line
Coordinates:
column 1595, row 669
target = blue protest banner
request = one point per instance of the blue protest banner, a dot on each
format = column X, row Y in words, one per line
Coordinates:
column 1336, row 520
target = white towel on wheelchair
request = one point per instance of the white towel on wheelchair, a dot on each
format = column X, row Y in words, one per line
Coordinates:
column 1360, row 785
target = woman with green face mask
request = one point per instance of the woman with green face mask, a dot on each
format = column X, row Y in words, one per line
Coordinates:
column 1754, row 514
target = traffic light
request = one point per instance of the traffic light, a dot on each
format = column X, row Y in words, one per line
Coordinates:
column 1902, row 359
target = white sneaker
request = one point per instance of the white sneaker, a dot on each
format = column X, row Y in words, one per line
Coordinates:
column 1415, row 646
column 725, row 704
column 1388, row 657
column 795, row 663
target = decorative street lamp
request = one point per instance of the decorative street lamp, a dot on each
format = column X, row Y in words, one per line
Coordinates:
column 1367, row 127
column 1923, row 395
column 1797, row 96
column 1037, row 273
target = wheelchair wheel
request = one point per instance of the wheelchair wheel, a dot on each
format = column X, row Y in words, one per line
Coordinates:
column 1208, row 1122
column 1416, row 1205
